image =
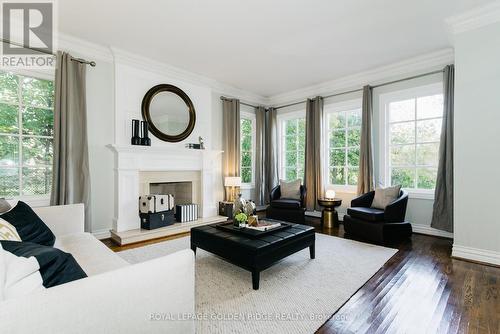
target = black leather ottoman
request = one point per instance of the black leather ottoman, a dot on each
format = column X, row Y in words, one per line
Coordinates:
column 253, row 254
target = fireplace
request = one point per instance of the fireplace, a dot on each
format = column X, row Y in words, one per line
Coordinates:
column 152, row 170
column 182, row 191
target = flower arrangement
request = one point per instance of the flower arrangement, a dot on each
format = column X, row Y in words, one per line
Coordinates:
column 240, row 219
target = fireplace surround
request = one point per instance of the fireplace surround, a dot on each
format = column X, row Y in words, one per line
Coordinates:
column 137, row 167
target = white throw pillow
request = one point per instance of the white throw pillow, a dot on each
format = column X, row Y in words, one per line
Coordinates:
column 290, row 189
column 4, row 205
column 385, row 196
column 21, row 276
column 8, row 231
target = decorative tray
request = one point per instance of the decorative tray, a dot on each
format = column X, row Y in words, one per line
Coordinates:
column 252, row 233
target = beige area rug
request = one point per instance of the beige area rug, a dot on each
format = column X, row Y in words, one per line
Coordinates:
column 297, row 295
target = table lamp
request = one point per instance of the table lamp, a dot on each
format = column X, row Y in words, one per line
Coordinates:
column 330, row 194
column 232, row 181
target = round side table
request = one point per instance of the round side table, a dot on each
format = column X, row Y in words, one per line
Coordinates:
column 329, row 216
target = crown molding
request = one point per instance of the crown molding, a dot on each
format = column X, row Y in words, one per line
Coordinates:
column 375, row 76
column 83, row 48
column 474, row 19
column 146, row 64
column 111, row 54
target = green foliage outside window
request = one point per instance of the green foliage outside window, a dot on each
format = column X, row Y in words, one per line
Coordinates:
column 246, row 135
column 26, row 135
column 414, row 135
column 294, row 132
column 344, row 141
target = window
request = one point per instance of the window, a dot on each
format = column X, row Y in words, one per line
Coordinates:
column 247, row 145
column 26, row 135
column 292, row 136
column 412, row 134
column 343, row 126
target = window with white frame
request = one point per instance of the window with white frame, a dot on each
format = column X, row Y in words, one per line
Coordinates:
column 247, row 148
column 412, row 126
column 26, row 135
column 343, row 128
column 292, row 137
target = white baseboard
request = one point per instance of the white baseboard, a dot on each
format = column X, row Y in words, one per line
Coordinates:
column 424, row 229
column 476, row 254
column 316, row 214
column 102, row 234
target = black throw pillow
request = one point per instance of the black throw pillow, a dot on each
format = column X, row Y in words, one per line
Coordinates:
column 28, row 225
column 56, row 266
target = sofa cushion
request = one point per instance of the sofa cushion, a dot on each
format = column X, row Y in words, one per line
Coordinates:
column 93, row 256
column 285, row 203
column 28, row 225
column 8, row 231
column 369, row 214
column 19, row 276
column 385, row 196
column 291, row 189
column 56, row 267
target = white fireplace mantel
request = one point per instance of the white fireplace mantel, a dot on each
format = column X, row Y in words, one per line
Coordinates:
column 131, row 160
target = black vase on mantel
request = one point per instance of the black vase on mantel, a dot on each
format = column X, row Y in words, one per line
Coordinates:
column 145, row 140
column 136, row 139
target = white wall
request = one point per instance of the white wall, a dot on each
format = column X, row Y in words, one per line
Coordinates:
column 100, row 125
column 130, row 87
column 477, row 139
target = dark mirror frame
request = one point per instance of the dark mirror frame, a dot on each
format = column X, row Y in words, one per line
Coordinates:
column 146, row 102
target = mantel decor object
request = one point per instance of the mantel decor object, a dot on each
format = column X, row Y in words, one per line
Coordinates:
column 169, row 112
column 200, row 146
column 136, row 139
column 145, row 140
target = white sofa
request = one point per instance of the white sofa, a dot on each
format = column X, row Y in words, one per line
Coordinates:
column 116, row 297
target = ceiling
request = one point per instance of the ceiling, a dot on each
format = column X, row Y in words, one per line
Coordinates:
column 266, row 47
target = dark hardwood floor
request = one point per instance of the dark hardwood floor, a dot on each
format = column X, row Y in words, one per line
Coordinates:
column 421, row 289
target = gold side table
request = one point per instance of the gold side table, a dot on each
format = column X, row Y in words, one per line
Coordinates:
column 329, row 216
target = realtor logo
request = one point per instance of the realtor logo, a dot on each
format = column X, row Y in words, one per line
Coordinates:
column 27, row 34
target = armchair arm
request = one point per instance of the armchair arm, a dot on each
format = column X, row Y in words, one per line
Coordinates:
column 303, row 193
column 396, row 211
column 363, row 201
column 275, row 193
column 135, row 299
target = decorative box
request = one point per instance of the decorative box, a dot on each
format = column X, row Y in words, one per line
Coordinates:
column 150, row 221
column 226, row 209
column 156, row 203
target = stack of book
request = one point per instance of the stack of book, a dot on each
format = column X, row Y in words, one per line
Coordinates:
column 186, row 212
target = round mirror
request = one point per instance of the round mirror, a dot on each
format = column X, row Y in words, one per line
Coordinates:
column 169, row 113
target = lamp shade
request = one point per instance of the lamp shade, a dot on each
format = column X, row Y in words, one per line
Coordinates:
column 330, row 194
column 232, row 181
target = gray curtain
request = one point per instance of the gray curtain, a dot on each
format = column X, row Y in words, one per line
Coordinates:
column 271, row 176
column 231, row 137
column 71, row 175
column 260, row 167
column 365, row 178
column 313, row 155
column 442, row 214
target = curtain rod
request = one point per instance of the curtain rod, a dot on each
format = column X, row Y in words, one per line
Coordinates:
column 80, row 60
column 361, row 89
column 243, row 103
